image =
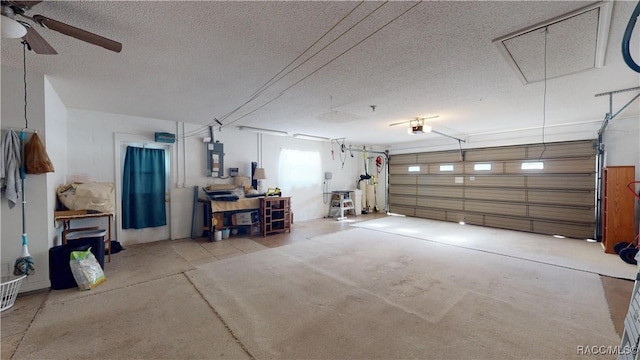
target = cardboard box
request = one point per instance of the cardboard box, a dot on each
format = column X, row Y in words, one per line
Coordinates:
column 244, row 218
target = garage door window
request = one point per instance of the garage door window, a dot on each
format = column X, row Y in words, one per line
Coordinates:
column 538, row 165
column 482, row 167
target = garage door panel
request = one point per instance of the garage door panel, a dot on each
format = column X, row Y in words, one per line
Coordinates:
column 575, row 214
column 439, row 180
column 434, row 214
column 404, row 200
column 495, row 181
column 518, row 195
column 404, row 169
column 570, row 182
column 402, row 210
column 458, row 169
column 440, row 203
column 468, row 218
column 507, row 223
column 403, row 180
column 403, row 159
column 495, row 154
column 571, row 166
column 578, row 231
column 497, row 167
column 559, row 196
column 562, row 197
column 575, row 149
column 442, row 191
column 488, row 207
column 402, row 190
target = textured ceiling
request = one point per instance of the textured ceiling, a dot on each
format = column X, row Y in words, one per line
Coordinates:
column 245, row 63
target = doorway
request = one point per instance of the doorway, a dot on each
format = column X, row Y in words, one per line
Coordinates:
column 147, row 234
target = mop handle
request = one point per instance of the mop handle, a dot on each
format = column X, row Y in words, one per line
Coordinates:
column 22, row 177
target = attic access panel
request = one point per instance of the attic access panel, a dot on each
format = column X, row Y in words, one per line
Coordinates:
column 575, row 42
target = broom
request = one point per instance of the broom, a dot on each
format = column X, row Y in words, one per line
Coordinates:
column 24, row 264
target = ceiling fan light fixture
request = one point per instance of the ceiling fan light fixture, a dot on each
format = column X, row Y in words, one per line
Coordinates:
column 12, row 29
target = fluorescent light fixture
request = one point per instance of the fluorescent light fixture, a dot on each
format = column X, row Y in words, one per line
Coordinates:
column 482, row 167
column 11, row 29
column 537, row 165
column 310, row 137
column 413, row 169
column 263, row 131
column 446, row 167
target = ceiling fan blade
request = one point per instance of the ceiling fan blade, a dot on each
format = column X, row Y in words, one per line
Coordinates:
column 78, row 33
column 38, row 44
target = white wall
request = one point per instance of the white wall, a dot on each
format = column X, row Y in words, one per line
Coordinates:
column 620, row 139
column 91, row 156
column 56, row 144
column 38, row 226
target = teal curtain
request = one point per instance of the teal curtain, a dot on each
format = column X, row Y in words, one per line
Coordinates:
column 143, row 189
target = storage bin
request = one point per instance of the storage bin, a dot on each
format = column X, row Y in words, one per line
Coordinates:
column 226, row 233
column 60, row 273
column 9, row 290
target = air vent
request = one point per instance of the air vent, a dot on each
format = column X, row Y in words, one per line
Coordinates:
column 575, row 42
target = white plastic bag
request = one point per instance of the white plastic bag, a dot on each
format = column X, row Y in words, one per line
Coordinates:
column 86, row 269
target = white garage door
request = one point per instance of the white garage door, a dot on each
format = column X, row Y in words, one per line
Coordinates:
column 547, row 189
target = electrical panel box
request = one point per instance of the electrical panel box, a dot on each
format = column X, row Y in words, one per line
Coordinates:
column 215, row 159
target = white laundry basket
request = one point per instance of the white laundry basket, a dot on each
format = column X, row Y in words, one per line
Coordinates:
column 9, row 290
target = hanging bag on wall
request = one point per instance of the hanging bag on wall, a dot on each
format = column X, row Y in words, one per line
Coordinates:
column 36, row 160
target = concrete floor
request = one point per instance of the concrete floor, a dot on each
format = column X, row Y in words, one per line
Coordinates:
column 139, row 269
column 176, row 257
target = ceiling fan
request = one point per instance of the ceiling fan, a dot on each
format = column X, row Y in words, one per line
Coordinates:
column 18, row 28
column 417, row 125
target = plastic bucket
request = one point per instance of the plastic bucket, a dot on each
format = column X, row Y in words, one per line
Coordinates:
column 225, row 233
column 217, row 235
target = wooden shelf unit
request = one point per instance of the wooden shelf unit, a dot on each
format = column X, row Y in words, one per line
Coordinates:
column 275, row 215
column 618, row 207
